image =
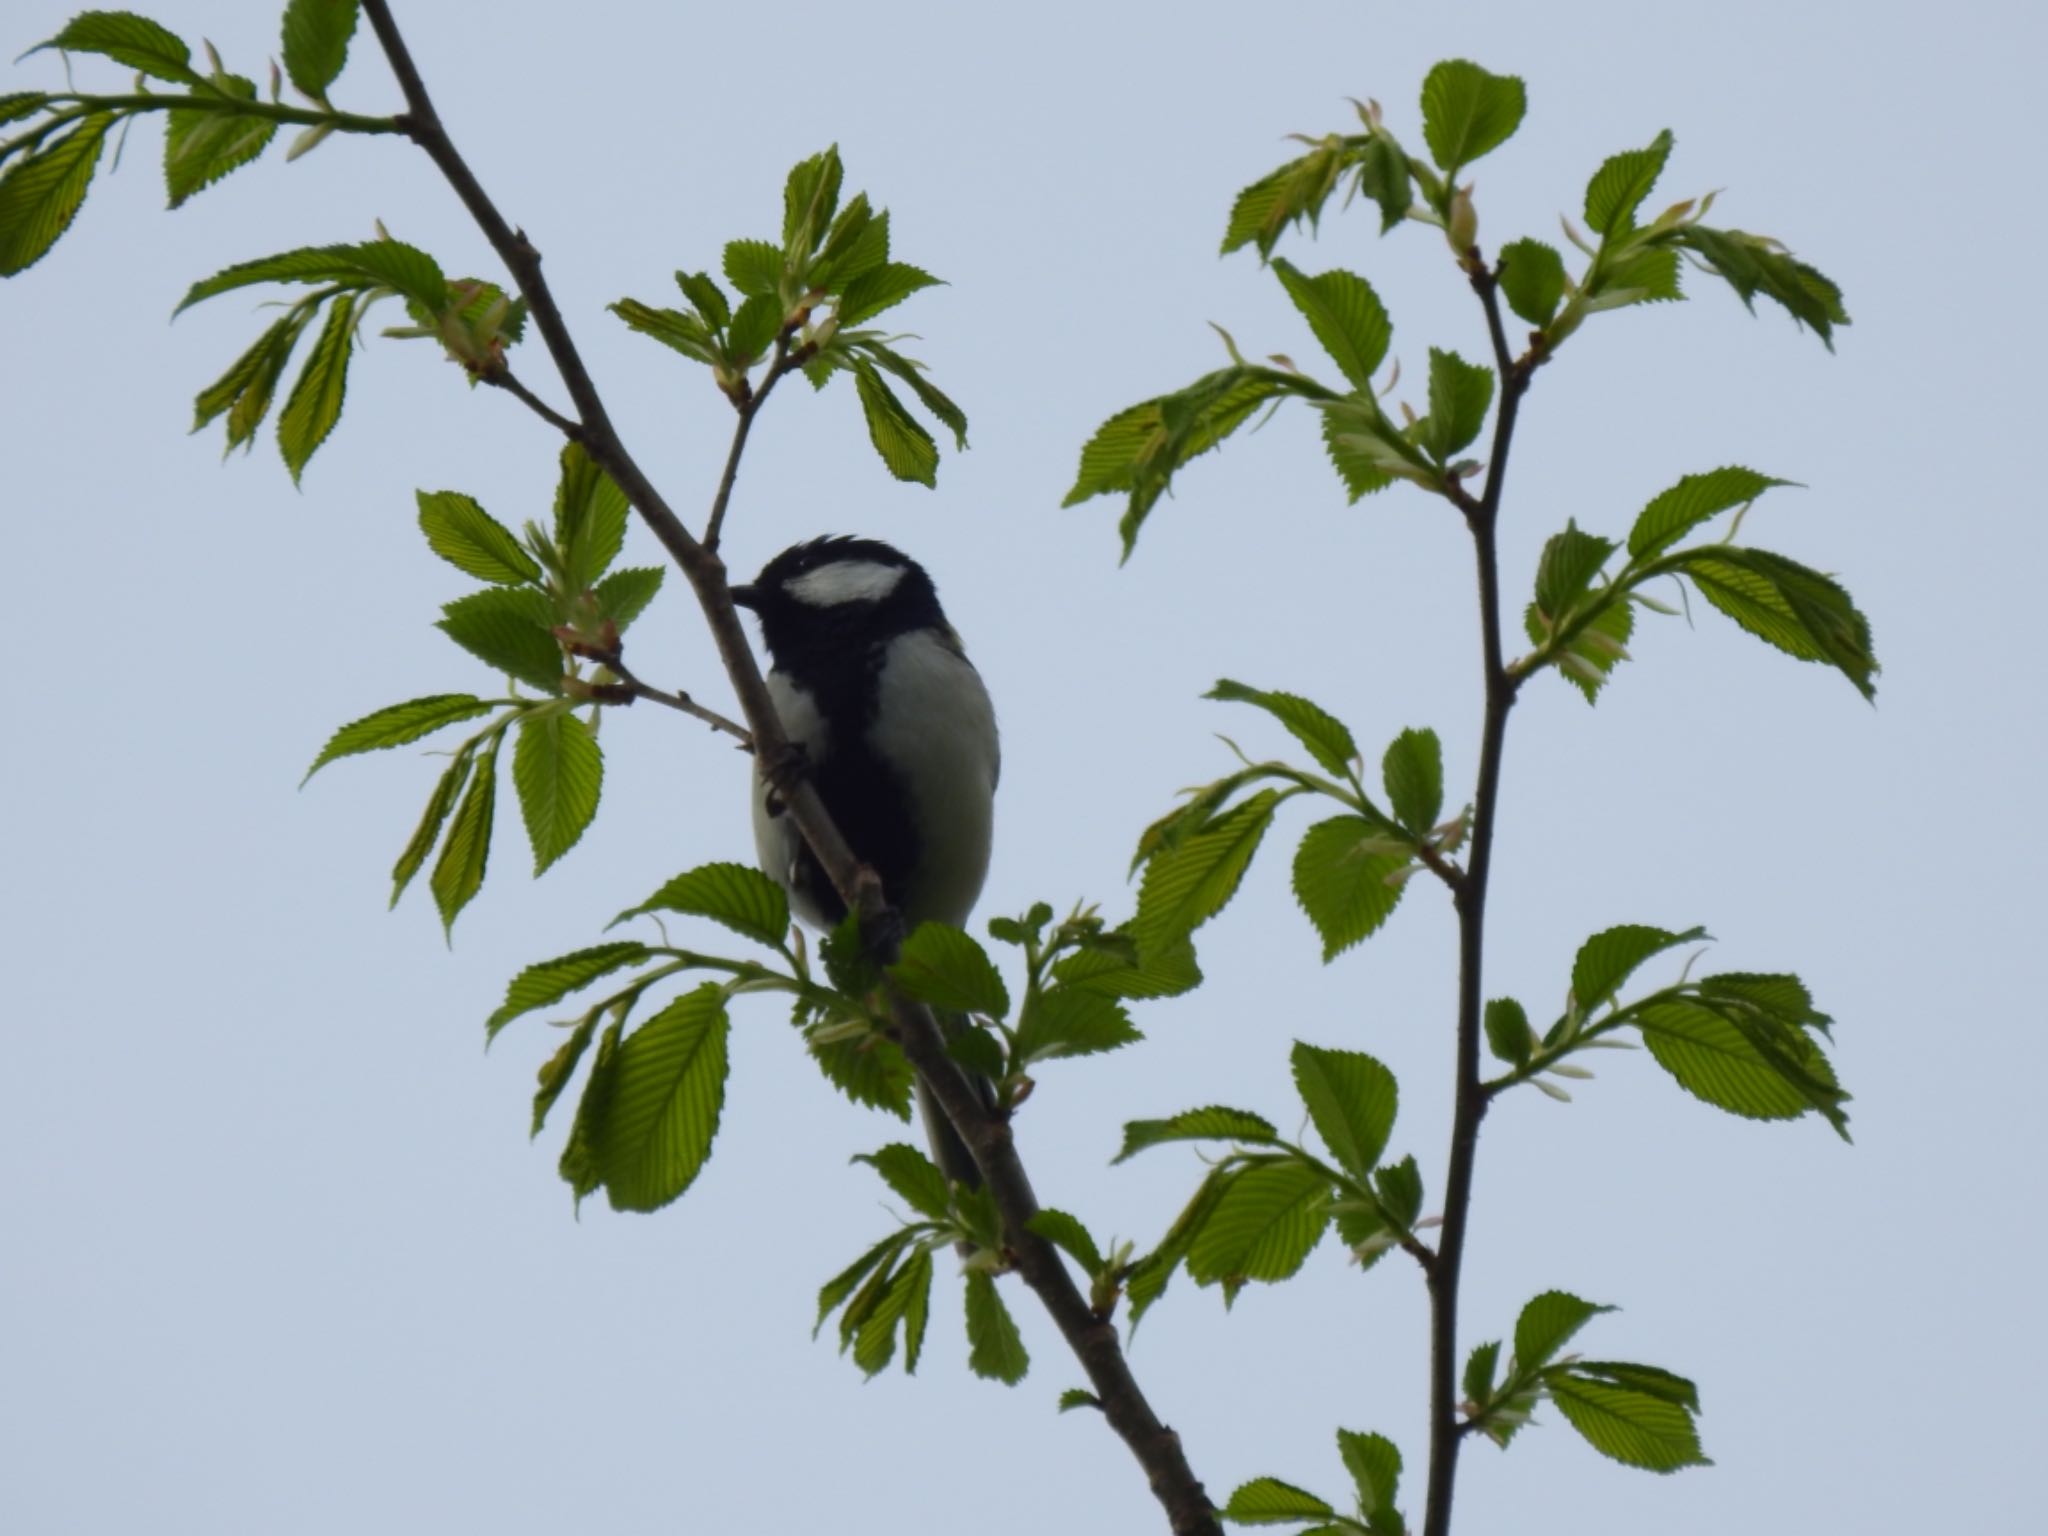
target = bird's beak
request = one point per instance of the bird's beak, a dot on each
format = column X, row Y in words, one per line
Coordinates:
column 746, row 597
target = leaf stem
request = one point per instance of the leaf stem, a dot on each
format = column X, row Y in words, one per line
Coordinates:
column 274, row 111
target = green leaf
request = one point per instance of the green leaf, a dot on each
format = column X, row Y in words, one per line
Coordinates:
column 1071, row 1021
column 996, row 1348
column 439, row 804
column 390, row 264
column 1067, row 1233
column 1187, row 885
column 470, row 539
column 1268, row 1501
column 1266, row 1222
column 1145, row 1282
column 1075, row 1397
column 914, row 1282
column 835, row 1291
column 1800, row 611
column 872, row 1072
column 510, row 629
column 857, row 243
column 1374, row 1463
column 1546, row 1325
column 1672, row 514
column 202, row 145
column 1635, row 1428
column 1384, row 175
column 671, row 327
column 1508, row 1034
column 1647, row 275
column 1362, row 472
column 881, row 288
column 668, row 1088
column 556, row 1071
column 459, row 872
column 245, row 390
column 1653, row 1380
column 1568, row 565
column 129, row 39
column 624, row 594
column 1467, row 112
column 754, row 267
column 558, row 769
column 1479, row 1371
column 1327, row 738
column 1532, row 279
column 1341, row 879
column 1399, row 1186
column 41, row 194
column 397, row 724
column 1607, row 960
column 911, row 372
column 316, row 37
column 590, row 518
column 706, row 297
column 1298, row 190
column 1346, row 316
column 945, row 967
column 1459, row 395
column 1753, row 264
column 912, row 1175
column 753, row 330
column 17, row 105
column 314, row 405
column 1618, row 188
column 1166, row 971
column 1352, row 1100
column 579, row 1166
column 737, row 895
column 1212, row 1123
column 810, row 196
column 898, row 436
column 1739, row 1060
column 550, row 981
column 1413, row 772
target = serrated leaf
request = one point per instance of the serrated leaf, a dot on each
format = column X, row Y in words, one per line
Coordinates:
column 1268, row 1501
column 946, row 968
column 914, row 1281
column 314, row 405
column 1287, row 195
column 928, row 395
column 1341, row 881
column 556, row 1071
column 1168, row 971
column 858, row 242
column 1413, row 773
column 835, row 1291
column 624, row 594
column 1634, row 1428
column 1607, row 960
column 439, row 804
column 1146, row 1281
column 1374, row 1463
column 1266, row 1222
column 881, row 288
column 1460, row 393
column 737, row 895
column 245, row 390
column 1546, row 1325
column 1067, row 1233
column 459, row 872
column 912, row 1175
column 1071, row 1021
column 1532, row 279
column 1362, row 472
column 996, row 1350
column 558, row 769
column 17, row 105
column 1800, row 611
column 510, row 629
column 1327, row 738
column 579, row 1164
column 129, row 39
column 550, row 981
column 1346, row 316
column 388, row 264
column 1399, row 1186
column 1467, row 112
column 1185, row 886
column 871, row 1072
column 396, row 724
column 1618, row 188
column 202, row 145
column 461, row 532
column 316, row 38
column 667, row 1092
column 706, row 297
column 671, row 327
column 1352, row 1099
column 41, row 194
column 753, row 267
column 899, row 437
column 1479, row 1371
column 810, row 196
column 1569, row 562
column 1753, row 264
column 1650, row 1379
column 1674, row 513
column 755, row 325
column 1508, row 1034
column 1648, row 275
column 590, row 518
column 1749, row 1065
column 1211, row 1123
column 1075, row 1397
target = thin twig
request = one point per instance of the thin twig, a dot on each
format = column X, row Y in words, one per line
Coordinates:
column 1092, row 1339
column 1481, row 517
column 501, row 377
column 630, row 688
column 749, row 406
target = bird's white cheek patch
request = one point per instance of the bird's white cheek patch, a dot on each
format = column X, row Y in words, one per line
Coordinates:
column 845, row 581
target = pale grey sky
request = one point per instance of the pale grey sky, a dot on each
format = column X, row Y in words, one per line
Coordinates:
column 278, row 1257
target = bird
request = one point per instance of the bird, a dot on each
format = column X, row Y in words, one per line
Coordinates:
column 897, row 734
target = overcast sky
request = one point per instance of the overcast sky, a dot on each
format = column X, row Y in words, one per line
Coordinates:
column 278, row 1256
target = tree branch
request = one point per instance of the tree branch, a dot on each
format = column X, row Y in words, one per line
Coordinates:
column 1469, row 898
column 1092, row 1339
column 502, row 377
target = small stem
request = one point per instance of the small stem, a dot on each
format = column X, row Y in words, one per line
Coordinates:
column 631, row 688
column 748, row 406
column 276, row 112
column 503, row 378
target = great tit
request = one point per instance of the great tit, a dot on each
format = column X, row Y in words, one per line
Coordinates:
column 898, row 736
